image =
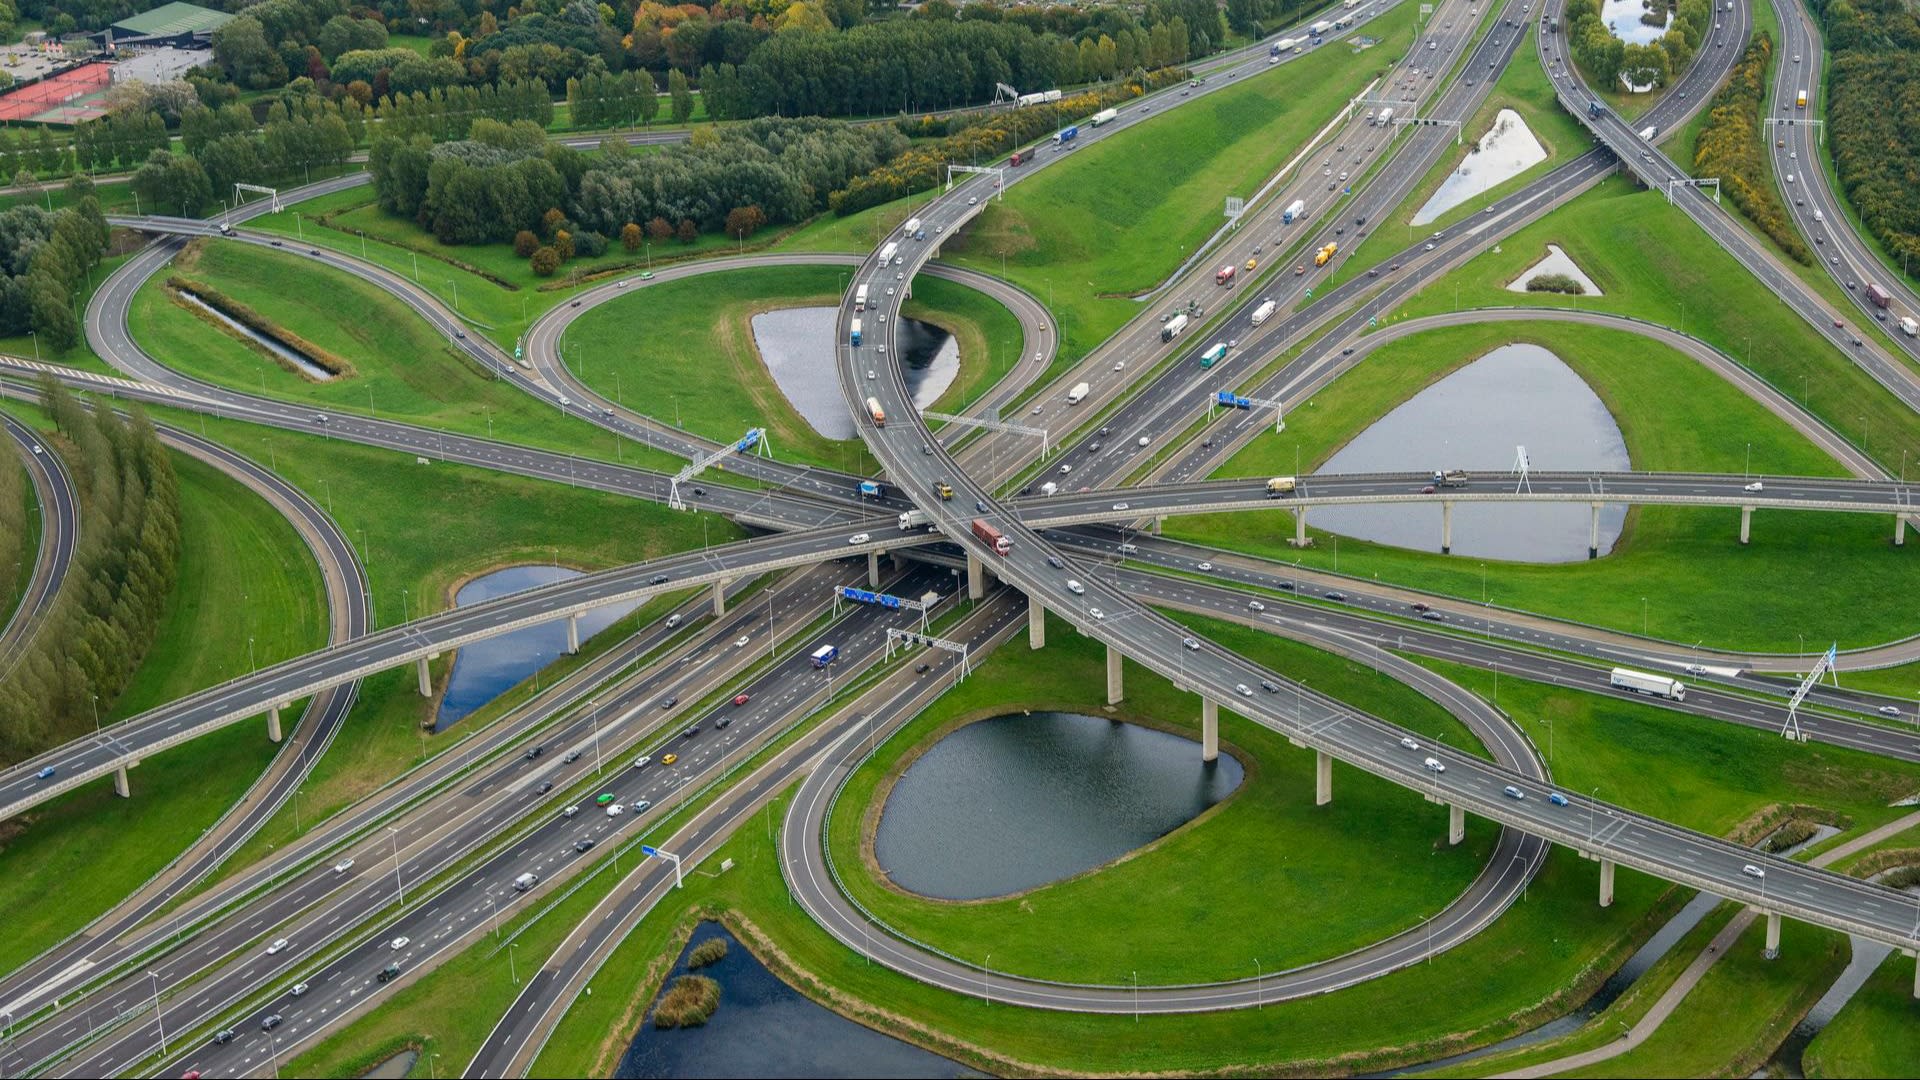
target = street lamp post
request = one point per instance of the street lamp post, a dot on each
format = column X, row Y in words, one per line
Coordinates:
column 397, row 883
column 158, row 1021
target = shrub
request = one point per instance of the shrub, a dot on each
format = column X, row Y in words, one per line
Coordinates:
column 707, row 952
column 690, row 1002
column 1555, row 283
column 630, row 236
column 544, row 261
column 524, row 242
column 688, row 232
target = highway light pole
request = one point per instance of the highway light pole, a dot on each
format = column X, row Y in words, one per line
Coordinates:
column 158, row 1022
column 397, row 883
column 511, row 968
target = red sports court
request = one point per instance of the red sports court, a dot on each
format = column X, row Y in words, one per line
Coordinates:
column 59, row 99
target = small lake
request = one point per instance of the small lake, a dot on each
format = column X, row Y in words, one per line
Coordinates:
column 765, row 1028
column 1014, row 802
column 1623, row 18
column 484, row 670
column 1516, row 395
column 798, row 347
column 298, row 361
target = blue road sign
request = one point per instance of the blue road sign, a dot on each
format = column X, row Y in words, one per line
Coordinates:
column 649, row 849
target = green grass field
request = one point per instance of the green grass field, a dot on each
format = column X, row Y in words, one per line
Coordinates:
column 1697, row 581
column 1125, row 212
column 245, row 578
column 401, row 369
column 1199, row 875
column 1874, row 1034
column 684, row 352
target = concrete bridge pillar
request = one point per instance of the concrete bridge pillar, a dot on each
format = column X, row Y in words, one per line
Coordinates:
column 1593, row 534
column 873, row 569
column 573, row 634
column 1899, row 530
column 426, row 677
column 1209, row 730
column 273, row 724
column 1773, row 936
column 1446, row 527
column 720, row 597
column 1159, row 522
column 1115, row 687
column 1916, row 973
column 1322, row 778
column 120, row 785
column 1606, row 882
column 1299, row 526
column 1036, row 624
column 1456, row 823
column 1746, row 523
column 976, row 577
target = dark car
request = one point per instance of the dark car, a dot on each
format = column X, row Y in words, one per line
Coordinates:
column 535, row 751
column 689, row 731
column 670, row 702
column 223, row 1038
column 546, row 786
column 1269, row 686
column 270, row 1022
column 585, row 843
column 1333, row 594
column 660, row 579
column 923, row 669
column 1056, row 562
column 1432, row 616
column 723, row 722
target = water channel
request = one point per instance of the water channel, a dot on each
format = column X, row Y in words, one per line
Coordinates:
column 1017, row 801
column 1473, row 419
column 765, row 1028
column 299, row 361
column 484, row 669
column 798, row 347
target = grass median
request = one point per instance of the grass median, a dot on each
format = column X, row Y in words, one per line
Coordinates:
column 1874, row 1034
column 1678, row 573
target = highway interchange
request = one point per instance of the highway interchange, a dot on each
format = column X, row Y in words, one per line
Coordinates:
column 1159, row 412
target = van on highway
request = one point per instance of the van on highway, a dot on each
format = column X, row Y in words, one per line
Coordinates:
column 525, row 882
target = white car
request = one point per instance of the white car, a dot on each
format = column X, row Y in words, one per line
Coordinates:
column 742, row 643
column 642, row 761
column 1435, row 765
column 1144, row 442
column 1243, row 689
column 1120, row 506
column 871, row 375
column 1889, row 710
column 278, row 944
column 1076, row 588
column 1191, row 643
column 1206, row 566
column 1696, row 669
column 298, row 990
column 400, row 942
column 616, row 809
column 1120, row 365
column 858, row 538
column 1065, row 469
column 343, row 866
column 1409, row 742
column 1753, row 871
column 570, row 811
column 1755, row 486
column 1096, row 613
column 1255, row 605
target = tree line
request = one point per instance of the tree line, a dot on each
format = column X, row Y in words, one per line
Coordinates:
column 1731, row 145
column 1872, row 84
column 124, row 569
column 44, row 258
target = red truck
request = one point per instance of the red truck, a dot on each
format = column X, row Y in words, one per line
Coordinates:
column 1001, row 545
column 1881, row 298
column 1225, row 275
column 1021, row 157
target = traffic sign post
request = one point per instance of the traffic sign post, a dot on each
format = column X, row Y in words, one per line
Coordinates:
column 652, row 852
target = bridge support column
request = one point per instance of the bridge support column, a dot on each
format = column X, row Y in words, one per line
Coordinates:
column 976, row 578
column 1115, row 687
column 719, row 598
column 1446, row 527
column 1322, row 778
column 273, row 724
column 873, row 569
column 1773, row 936
column 1159, row 522
column 573, row 634
column 1606, row 882
column 1916, row 973
column 426, row 677
column 120, row 785
column 1593, row 534
column 1746, row 523
column 1209, row 730
column 1036, row 624
column 1900, row 530
column 1299, row 526
column 1456, row 824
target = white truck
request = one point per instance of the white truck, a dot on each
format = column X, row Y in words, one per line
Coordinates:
column 1262, row 313
column 1386, row 117
column 1640, row 682
column 860, row 297
column 1909, row 327
column 1294, row 212
column 913, row 519
column 1103, row 116
column 1285, row 45
column 1321, row 27
column 912, row 226
column 1172, row 327
column 887, row 253
column 1079, row 393
column 1049, row 488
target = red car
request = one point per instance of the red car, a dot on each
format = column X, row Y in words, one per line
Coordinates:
column 740, row 700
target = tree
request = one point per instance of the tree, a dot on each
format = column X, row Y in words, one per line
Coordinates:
column 544, row 261
column 658, row 228
column 240, row 48
column 551, row 221
column 524, row 243
column 169, row 182
column 688, row 232
column 630, row 237
column 680, row 94
column 563, row 245
column 744, row 221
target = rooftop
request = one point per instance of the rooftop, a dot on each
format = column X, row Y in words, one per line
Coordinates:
column 172, row 18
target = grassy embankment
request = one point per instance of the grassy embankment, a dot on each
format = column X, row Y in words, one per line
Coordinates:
column 1875, row 1034
column 1203, row 876
column 247, row 585
column 684, row 351
column 1697, row 580
column 392, row 364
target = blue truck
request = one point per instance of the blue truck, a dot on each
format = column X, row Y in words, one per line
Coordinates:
column 1066, row 135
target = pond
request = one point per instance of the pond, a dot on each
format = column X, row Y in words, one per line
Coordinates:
column 1014, row 802
column 1505, row 151
column 1623, row 18
column 292, row 358
column 765, row 1028
column 798, row 347
column 1516, row 395
column 485, row 669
